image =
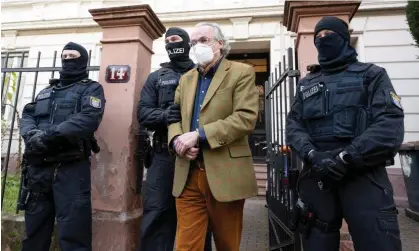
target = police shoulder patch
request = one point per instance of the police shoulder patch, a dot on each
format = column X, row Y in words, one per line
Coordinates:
column 95, row 102
column 44, row 95
column 397, row 101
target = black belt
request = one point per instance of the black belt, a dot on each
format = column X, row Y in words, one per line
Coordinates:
column 59, row 158
column 158, row 146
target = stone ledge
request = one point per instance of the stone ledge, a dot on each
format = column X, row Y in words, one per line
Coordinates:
column 111, row 231
column 133, row 15
column 412, row 214
column 116, row 231
column 13, row 230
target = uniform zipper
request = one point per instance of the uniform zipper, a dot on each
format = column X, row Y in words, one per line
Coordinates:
column 326, row 98
column 53, row 113
column 56, row 170
column 51, row 120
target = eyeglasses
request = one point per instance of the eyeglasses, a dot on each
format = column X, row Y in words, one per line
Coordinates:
column 202, row 40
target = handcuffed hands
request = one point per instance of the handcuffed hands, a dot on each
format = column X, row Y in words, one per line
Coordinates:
column 192, row 153
column 185, row 145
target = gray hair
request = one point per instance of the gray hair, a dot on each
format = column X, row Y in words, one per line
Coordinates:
column 218, row 36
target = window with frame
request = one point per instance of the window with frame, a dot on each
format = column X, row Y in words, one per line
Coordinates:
column 9, row 80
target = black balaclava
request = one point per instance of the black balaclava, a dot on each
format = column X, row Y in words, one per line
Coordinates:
column 335, row 51
column 74, row 69
column 179, row 52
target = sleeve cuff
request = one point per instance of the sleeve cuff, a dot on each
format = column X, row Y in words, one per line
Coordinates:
column 305, row 151
column 202, row 136
column 171, row 144
column 356, row 158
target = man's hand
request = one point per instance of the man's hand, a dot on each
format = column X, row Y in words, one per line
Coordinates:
column 172, row 114
column 192, row 153
column 185, row 142
column 328, row 163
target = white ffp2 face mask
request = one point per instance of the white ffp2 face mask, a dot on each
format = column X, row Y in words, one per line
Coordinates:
column 203, row 53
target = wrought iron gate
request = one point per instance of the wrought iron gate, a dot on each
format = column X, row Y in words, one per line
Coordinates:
column 282, row 164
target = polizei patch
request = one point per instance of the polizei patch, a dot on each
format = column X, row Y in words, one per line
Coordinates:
column 176, row 51
column 95, row 102
column 169, row 82
column 311, row 91
column 397, row 101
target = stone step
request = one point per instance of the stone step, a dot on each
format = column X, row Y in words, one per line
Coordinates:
column 261, row 191
column 260, row 169
column 261, row 177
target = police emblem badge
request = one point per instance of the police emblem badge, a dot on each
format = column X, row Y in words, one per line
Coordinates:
column 95, row 102
column 397, row 101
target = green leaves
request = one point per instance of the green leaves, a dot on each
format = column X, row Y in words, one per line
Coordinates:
column 412, row 15
column 10, row 83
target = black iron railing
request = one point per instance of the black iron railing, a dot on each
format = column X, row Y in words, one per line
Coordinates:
column 283, row 166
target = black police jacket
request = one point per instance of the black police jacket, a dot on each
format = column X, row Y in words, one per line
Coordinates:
column 157, row 94
column 356, row 109
column 68, row 114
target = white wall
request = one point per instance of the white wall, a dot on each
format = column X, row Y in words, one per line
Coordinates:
column 387, row 43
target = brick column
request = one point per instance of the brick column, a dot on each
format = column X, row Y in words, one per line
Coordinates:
column 128, row 35
column 301, row 17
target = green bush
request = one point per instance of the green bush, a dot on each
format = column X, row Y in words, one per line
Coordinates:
column 11, row 193
column 412, row 14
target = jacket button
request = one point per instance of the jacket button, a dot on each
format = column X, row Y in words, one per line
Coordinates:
column 222, row 142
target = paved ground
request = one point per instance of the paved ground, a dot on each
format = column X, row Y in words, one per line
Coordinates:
column 255, row 226
column 409, row 232
column 255, row 229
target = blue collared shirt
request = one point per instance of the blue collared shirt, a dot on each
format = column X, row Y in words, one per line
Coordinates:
column 204, row 82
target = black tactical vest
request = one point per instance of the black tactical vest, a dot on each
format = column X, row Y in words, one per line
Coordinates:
column 55, row 105
column 167, row 83
column 335, row 108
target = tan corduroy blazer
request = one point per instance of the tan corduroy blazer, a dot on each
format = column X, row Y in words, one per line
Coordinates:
column 228, row 115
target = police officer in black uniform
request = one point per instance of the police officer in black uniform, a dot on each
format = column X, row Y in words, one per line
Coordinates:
column 347, row 125
column 155, row 112
column 58, row 130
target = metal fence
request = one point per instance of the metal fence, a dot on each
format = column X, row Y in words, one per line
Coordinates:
column 283, row 165
column 15, row 83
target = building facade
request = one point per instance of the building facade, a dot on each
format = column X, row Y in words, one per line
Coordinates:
column 254, row 28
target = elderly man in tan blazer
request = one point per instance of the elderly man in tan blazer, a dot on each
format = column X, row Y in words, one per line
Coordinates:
column 214, row 169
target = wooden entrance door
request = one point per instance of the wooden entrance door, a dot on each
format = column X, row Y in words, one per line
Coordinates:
column 260, row 63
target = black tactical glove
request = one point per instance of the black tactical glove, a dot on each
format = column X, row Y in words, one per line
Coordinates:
column 29, row 135
column 38, row 142
column 328, row 163
column 172, row 114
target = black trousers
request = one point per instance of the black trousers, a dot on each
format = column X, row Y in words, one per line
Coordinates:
column 364, row 200
column 158, row 225
column 61, row 192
